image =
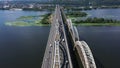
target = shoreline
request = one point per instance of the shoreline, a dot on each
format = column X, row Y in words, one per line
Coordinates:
column 80, row 24
column 45, row 21
column 26, row 21
column 97, row 24
column 24, row 25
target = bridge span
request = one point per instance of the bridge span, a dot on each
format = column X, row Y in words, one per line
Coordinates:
column 64, row 50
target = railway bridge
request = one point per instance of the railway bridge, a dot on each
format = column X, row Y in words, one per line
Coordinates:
column 64, row 48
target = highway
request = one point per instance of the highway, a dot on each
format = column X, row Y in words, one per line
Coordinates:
column 63, row 49
column 57, row 35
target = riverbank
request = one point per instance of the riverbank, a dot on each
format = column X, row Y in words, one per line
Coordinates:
column 43, row 20
column 97, row 24
column 22, row 24
column 78, row 18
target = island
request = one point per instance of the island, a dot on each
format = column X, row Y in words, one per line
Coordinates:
column 80, row 18
column 75, row 16
column 39, row 20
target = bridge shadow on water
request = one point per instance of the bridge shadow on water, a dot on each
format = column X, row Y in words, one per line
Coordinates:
column 76, row 63
column 74, row 56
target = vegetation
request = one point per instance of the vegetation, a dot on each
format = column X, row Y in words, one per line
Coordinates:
column 97, row 2
column 27, row 17
column 76, row 14
column 32, row 9
column 46, row 19
column 77, row 19
column 18, row 23
column 96, row 22
column 47, row 8
column 26, row 21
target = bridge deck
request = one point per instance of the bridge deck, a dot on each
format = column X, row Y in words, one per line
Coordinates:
column 57, row 53
column 63, row 37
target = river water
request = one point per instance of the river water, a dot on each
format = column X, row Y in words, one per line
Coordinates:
column 23, row 47
column 104, row 13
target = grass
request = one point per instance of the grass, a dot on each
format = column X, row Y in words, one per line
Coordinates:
column 93, row 24
column 97, row 24
column 46, row 18
column 20, row 21
column 25, row 17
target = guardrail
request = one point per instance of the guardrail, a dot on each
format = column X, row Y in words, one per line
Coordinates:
column 83, row 50
column 85, row 54
column 71, row 38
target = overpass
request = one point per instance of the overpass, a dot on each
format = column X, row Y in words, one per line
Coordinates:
column 64, row 50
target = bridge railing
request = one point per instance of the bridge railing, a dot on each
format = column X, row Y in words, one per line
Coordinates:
column 82, row 49
column 85, row 54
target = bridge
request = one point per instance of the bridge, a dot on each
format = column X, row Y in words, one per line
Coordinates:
column 64, row 48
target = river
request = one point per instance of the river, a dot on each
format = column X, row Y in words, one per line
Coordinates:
column 23, row 47
column 104, row 13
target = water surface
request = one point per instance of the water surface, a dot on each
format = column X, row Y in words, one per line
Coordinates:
column 104, row 13
column 104, row 43
column 23, row 47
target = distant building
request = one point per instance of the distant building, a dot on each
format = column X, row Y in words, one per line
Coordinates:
column 31, row 6
column 91, row 7
column 6, row 6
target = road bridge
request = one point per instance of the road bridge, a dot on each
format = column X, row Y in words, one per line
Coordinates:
column 64, row 50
